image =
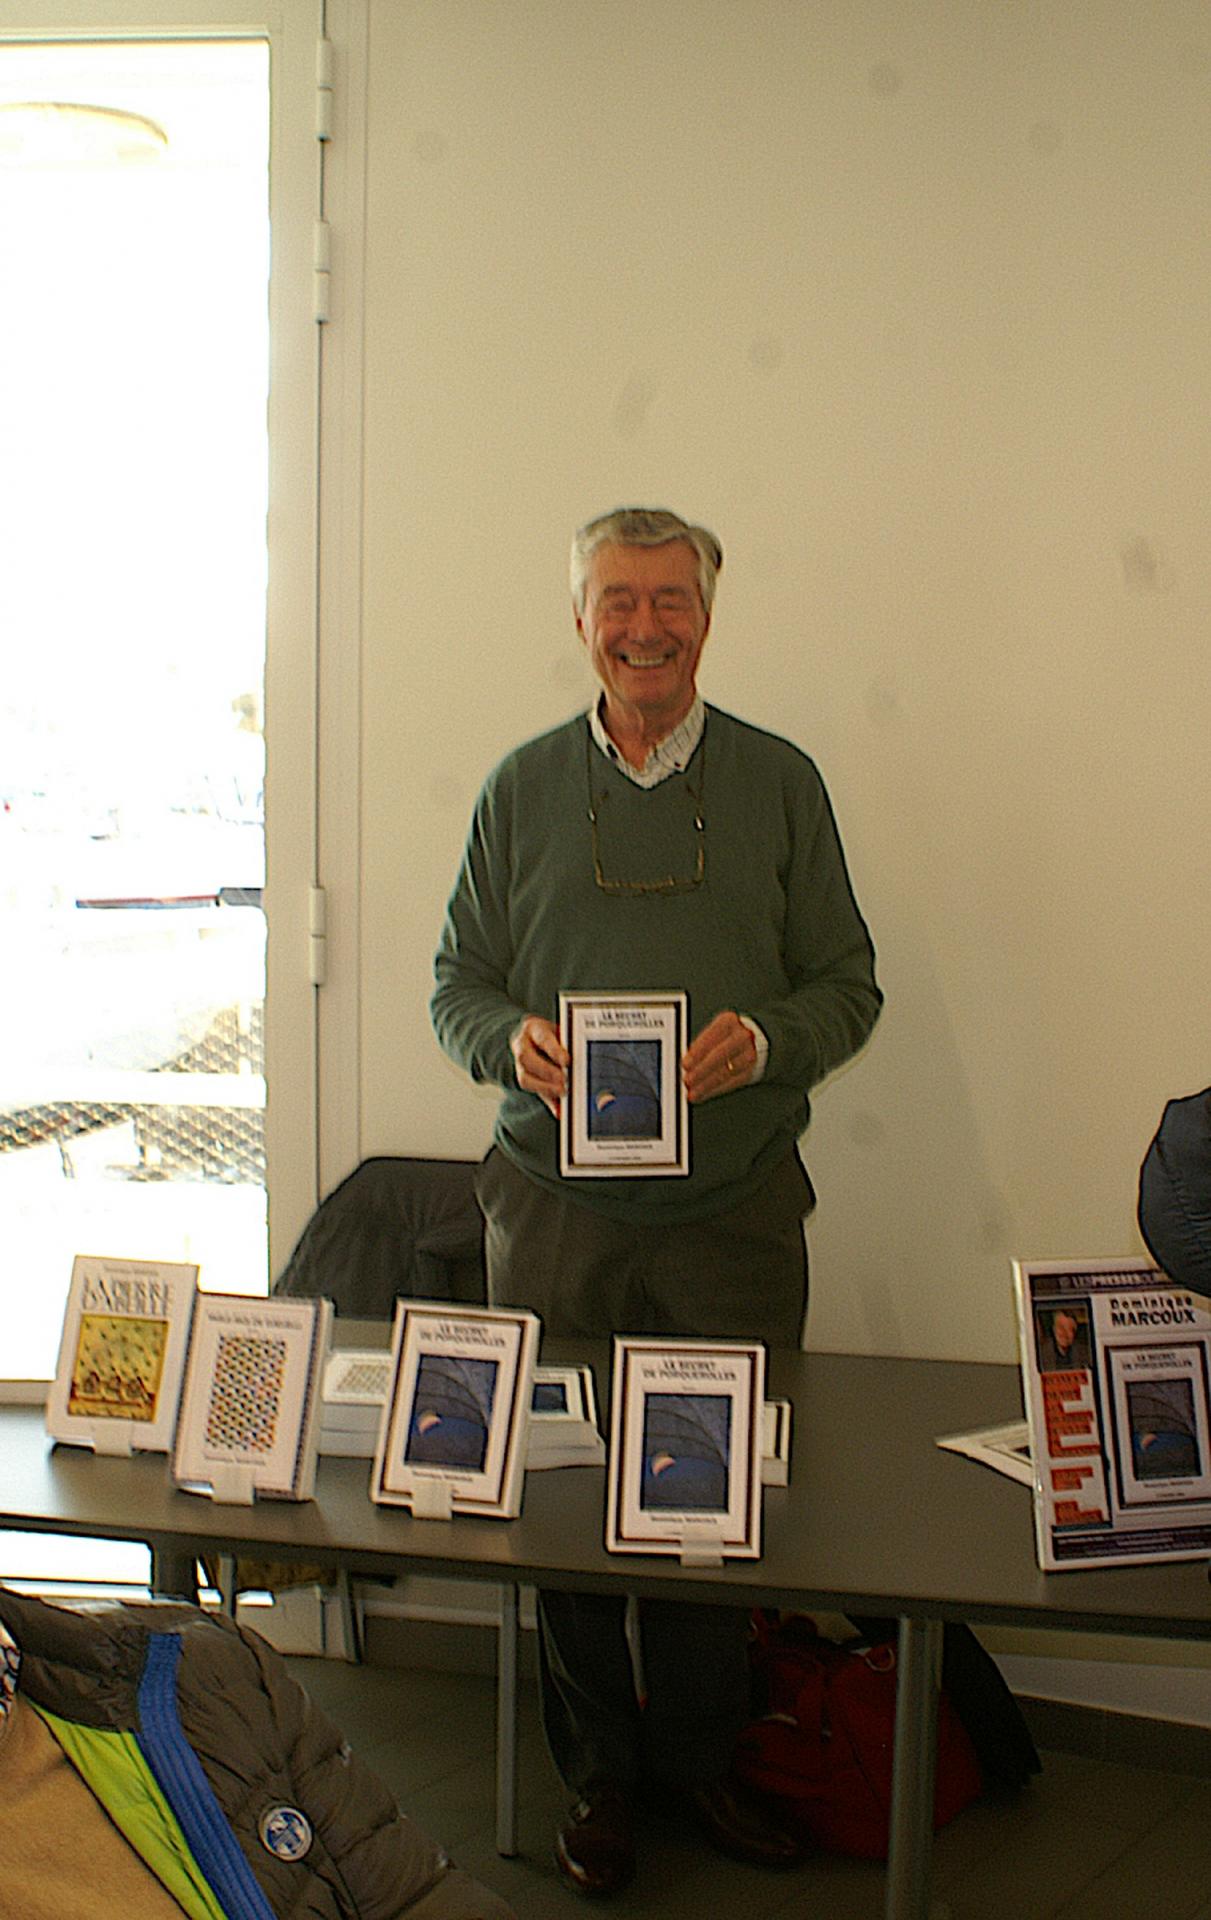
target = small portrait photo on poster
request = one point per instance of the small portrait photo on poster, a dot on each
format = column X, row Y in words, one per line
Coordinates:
column 1062, row 1336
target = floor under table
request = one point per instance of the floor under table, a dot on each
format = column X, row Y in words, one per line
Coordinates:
column 1088, row 1840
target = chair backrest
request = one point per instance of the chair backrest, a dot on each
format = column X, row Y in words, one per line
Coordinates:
column 394, row 1227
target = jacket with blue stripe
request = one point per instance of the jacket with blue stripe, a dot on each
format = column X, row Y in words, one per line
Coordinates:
column 229, row 1736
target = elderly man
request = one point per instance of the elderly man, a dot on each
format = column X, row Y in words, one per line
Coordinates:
column 655, row 843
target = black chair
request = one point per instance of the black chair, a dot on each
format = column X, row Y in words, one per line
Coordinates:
column 395, row 1226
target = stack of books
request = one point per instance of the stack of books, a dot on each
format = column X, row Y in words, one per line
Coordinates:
column 563, row 1420
column 355, row 1390
column 776, row 1443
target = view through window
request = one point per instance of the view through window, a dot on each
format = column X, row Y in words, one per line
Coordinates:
column 134, row 224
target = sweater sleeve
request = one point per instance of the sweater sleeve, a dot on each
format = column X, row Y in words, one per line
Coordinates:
column 472, row 1013
column 833, row 1000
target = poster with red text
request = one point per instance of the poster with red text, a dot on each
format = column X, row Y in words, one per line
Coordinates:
column 1116, row 1377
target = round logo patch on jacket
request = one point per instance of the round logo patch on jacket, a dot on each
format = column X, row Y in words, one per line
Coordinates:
column 285, row 1833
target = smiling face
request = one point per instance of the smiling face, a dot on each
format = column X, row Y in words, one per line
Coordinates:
column 644, row 625
column 1063, row 1329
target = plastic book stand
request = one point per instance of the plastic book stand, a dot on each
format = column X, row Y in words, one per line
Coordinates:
column 111, row 1437
column 701, row 1547
column 432, row 1500
column 232, row 1486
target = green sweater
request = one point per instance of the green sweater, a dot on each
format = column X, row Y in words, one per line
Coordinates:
column 773, row 932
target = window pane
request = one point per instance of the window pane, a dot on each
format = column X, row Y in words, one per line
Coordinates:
column 133, row 458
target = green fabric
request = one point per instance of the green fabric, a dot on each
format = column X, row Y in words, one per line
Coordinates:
column 773, row 932
column 112, row 1765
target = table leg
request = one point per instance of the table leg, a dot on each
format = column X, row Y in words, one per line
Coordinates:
column 346, row 1602
column 910, row 1855
column 173, row 1574
column 228, row 1591
column 506, row 1722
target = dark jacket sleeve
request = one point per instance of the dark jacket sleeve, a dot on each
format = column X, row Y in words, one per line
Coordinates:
column 1175, row 1192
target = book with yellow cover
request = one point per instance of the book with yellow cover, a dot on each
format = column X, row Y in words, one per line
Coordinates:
column 122, row 1352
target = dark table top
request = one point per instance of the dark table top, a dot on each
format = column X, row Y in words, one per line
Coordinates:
column 876, row 1520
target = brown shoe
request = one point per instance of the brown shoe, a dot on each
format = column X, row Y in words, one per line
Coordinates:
column 595, row 1847
column 735, row 1822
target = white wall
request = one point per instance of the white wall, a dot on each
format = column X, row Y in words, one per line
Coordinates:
column 911, row 305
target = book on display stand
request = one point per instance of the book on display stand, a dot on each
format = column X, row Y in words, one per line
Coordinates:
column 685, row 1460
column 126, row 1328
column 249, row 1422
column 455, row 1422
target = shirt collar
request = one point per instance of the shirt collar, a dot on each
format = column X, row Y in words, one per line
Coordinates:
column 670, row 755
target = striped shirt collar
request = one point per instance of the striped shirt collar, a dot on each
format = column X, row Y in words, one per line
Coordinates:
column 670, row 755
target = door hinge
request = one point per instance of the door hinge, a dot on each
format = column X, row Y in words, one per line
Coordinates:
column 321, row 277
column 317, row 936
column 323, row 89
column 321, row 262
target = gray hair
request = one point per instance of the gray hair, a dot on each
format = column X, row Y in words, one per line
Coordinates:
column 643, row 527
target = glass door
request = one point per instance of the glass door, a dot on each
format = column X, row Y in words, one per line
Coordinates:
column 135, row 196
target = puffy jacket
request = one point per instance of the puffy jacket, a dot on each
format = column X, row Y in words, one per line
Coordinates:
column 1175, row 1192
column 238, row 1751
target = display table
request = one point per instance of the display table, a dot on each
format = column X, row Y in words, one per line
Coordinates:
column 876, row 1520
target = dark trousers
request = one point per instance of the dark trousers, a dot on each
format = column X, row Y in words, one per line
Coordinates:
column 740, row 1275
